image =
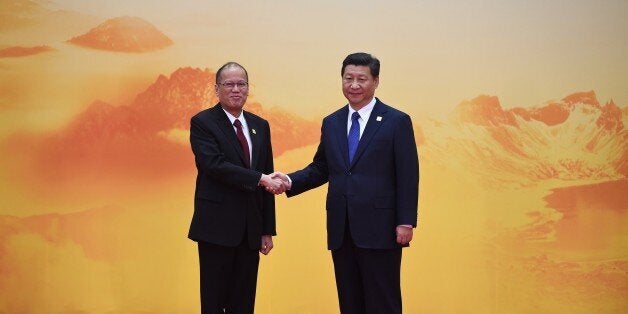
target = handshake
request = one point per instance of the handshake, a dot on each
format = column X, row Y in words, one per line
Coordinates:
column 275, row 183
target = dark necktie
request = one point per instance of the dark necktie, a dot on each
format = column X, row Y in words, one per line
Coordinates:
column 243, row 142
column 354, row 135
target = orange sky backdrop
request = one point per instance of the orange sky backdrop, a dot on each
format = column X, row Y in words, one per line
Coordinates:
column 519, row 109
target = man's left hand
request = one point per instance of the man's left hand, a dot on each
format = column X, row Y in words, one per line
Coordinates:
column 404, row 234
column 266, row 245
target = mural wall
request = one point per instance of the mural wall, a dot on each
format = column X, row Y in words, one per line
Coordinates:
column 520, row 113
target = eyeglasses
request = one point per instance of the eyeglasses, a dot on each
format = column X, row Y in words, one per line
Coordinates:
column 232, row 85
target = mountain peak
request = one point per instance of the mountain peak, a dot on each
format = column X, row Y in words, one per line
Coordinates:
column 555, row 113
column 171, row 101
column 124, row 34
column 484, row 110
column 588, row 98
column 551, row 114
column 611, row 118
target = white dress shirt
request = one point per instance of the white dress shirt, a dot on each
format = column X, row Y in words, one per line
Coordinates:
column 245, row 130
column 364, row 112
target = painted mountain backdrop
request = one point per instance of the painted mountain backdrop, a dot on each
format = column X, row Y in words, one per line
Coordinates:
column 575, row 138
column 148, row 137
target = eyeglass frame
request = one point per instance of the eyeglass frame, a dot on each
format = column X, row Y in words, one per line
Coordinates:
column 232, row 85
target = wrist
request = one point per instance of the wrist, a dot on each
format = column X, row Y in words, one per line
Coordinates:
column 262, row 180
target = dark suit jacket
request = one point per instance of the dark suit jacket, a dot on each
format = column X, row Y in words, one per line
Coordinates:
column 228, row 201
column 378, row 191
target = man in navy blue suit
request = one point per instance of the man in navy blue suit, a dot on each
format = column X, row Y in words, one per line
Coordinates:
column 368, row 154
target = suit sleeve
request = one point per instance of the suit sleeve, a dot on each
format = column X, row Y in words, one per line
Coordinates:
column 312, row 176
column 407, row 173
column 211, row 161
column 268, row 199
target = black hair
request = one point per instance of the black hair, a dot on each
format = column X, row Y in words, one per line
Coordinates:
column 361, row 58
column 230, row 64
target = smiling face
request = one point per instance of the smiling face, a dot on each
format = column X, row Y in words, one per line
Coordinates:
column 358, row 85
column 232, row 89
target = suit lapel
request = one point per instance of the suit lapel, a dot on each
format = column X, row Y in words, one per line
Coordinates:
column 340, row 129
column 254, row 129
column 376, row 119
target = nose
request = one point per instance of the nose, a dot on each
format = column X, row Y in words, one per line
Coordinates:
column 355, row 85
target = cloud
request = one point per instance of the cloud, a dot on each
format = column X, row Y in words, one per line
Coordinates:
column 18, row 51
column 123, row 34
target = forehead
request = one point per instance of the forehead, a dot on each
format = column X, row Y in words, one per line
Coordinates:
column 357, row 70
column 233, row 73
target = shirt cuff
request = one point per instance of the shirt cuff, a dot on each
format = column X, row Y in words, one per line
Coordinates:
column 289, row 180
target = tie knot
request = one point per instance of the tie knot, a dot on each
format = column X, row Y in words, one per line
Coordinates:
column 237, row 123
column 355, row 116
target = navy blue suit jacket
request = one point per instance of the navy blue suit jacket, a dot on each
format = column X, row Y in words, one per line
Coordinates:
column 378, row 190
column 228, row 201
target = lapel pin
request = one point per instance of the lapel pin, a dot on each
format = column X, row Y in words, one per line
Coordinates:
column 253, row 130
column 379, row 118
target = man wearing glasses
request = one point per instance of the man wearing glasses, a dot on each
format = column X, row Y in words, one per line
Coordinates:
column 234, row 218
column 368, row 154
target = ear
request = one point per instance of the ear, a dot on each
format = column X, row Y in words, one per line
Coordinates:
column 216, row 89
column 376, row 81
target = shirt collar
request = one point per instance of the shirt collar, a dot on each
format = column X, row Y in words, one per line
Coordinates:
column 365, row 111
column 232, row 118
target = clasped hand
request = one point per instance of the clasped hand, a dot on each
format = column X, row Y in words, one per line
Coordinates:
column 275, row 183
